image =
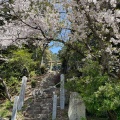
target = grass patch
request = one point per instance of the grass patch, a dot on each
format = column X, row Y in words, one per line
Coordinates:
column 33, row 83
column 6, row 109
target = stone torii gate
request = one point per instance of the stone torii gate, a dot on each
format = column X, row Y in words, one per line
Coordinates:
column 53, row 62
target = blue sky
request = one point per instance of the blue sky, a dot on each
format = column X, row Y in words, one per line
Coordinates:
column 64, row 33
column 55, row 49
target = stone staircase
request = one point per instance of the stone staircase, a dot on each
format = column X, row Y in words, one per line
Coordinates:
column 40, row 107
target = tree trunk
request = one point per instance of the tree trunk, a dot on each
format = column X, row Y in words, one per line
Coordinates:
column 112, row 115
column 64, row 66
column 6, row 89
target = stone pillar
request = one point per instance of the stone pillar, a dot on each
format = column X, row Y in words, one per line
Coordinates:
column 14, row 112
column 54, row 112
column 76, row 109
column 42, row 61
column 51, row 66
column 62, row 92
column 22, row 93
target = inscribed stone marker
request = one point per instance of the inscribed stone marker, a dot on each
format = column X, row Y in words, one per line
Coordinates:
column 76, row 107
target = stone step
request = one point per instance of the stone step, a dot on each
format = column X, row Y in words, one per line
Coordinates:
column 41, row 107
column 42, row 117
column 36, row 104
column 26, row 118
column 30, row 115
column 45, row 112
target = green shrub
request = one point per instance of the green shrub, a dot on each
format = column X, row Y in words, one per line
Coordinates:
column 42, row 69
column 11, row 71
column 98, row 90
column 33, row 83
column 4, row 113
column 8, row 104
column 32, row 74
column 5, row 108
column 118, row 113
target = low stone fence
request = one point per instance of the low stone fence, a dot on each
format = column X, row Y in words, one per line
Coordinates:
column 76, row 109
column 19, row 100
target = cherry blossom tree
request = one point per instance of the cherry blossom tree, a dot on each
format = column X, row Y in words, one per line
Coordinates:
column 95, row 32
column 96, row 25
column 36, row 20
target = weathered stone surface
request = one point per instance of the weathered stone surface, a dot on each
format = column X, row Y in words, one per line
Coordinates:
column 42, row 117
column 62, row 92
column 14, row 112
column 54, row 110
column 76, row 107
column 1, row 118
column 22, row 93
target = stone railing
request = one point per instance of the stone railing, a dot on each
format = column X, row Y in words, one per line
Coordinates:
column 19, row 100
column 76, row 109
